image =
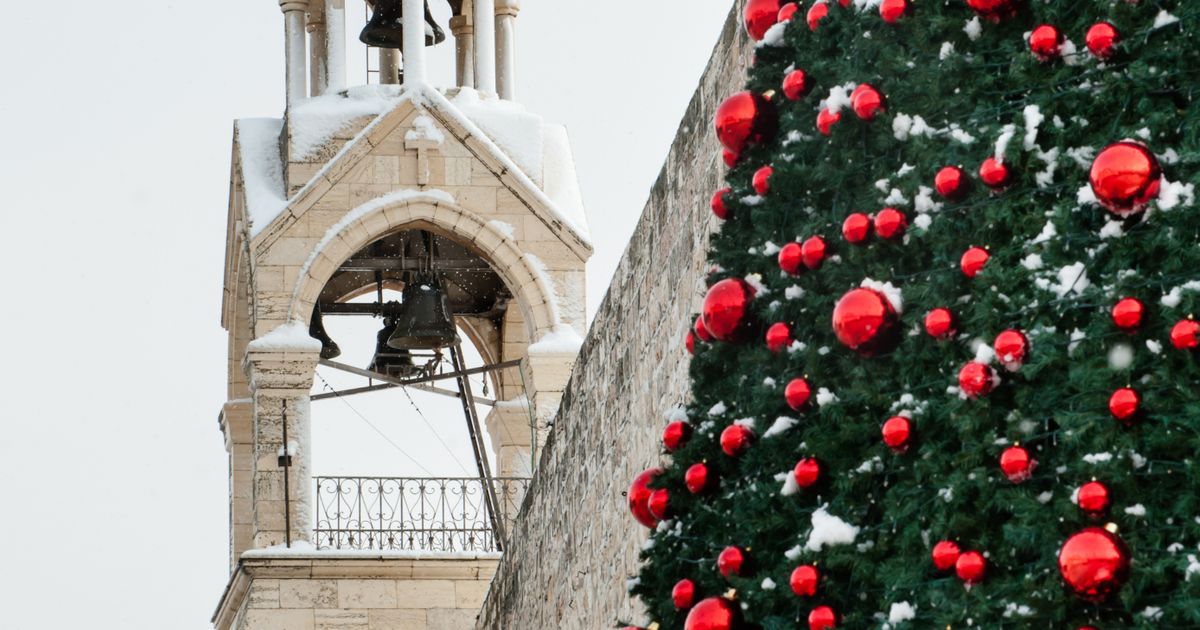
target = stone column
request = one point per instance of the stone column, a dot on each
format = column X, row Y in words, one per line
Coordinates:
column 546, row 374
column 317, row 48
column 294, row 47
column 506, row 47
column 281, row 375
column 464, row 49
column 485, row 45
column 335, row 46
column 389, row 66
column 237, row 422
column 512, row 441
column 414, row 42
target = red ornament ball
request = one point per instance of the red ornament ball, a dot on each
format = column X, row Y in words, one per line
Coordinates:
column 1125, row 404
column 796, row 85
column 1094, row 563
column 1012, row 347
column 745, row 119
column 718, row 203
column 822, row 618
column 701, row 332
column 759, row 16
column 726, row 309
column 791, row 256
column 897, row 434
column 699, row 478
column 659, row 503
column 816, row 13
column 732, row 561
column 865, row 321
column 971, row 567
column 973, row 261
column 714, row 613
column 1017, row 464
column 856, row 229
column 977, row 379
column 995, row 173
column 690, row 342
column 940, row 323
column 951, row 183
column 639, row 497
column 1046, row 42
column 779, row 337
column 798, row 393
column 683, row 595
column 826, row 119
column 945, row 554
column 788, row 11
column 1125, row 176
column 890, row 223
column 1093, row 498
column 892, row 10
column 1102, row 39
column 867, row 102
column 994, row 9
column 1128, row 313
column 804, row 580
column 735, row 439
column 731, row 158
column 762, row 180
column 1185, row 335
column 808, row 472
column 676, row 435
column 813, row 252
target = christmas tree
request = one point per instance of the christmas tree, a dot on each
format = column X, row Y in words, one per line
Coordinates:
column 945, row 374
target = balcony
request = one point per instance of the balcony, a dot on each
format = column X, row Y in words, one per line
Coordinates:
column 448, row 515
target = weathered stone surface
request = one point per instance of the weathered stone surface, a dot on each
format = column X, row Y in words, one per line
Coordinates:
column 575, row 543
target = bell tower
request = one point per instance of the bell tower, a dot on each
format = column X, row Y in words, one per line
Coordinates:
column 451, row 215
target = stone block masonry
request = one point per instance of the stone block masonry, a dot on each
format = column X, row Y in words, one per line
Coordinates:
column 575, row 545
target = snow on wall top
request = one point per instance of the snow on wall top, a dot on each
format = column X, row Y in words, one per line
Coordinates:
column 313, row 121
column 290, row 337
column 262, row 169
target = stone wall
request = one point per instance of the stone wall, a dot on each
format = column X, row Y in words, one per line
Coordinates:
column 575, row 545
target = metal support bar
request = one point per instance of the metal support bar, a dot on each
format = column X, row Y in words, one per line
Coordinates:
column 487, row 402
column 424, row 379
column 286, row 461
column 485, row 473
column 369, row 263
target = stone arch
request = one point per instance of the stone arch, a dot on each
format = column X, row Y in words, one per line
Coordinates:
column 436, row 211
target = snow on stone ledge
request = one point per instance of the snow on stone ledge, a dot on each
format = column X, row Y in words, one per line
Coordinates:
column 262, row 169
column 290, row 337
column 302, row 549
column 313, row 121
column 516, row 131
column 561, row 340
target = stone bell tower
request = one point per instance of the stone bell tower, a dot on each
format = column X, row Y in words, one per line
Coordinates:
column 358, row 190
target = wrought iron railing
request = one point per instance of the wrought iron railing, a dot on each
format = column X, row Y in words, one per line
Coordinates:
column 416, row 514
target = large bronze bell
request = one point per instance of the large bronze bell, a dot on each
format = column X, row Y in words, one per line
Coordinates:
column 385, row 29
column 425, row 321
column 387, row 360
column 316, row 330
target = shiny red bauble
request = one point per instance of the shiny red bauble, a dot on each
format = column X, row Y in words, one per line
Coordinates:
column 890, row 223
column 791, row 257
column 659, row 503
column 699, row 478
column 897, row 433
column 1045, row 42
column 730, row 157
column 826, row 119
column 714, row 613
column 813, row 252
column 718, row 203
column 676, row 435
column 822, row 618
column 779, row 337
column 1017, row 464
column 690, row 342
column 805, row 580
column 994, row 9
column 639, row 497
column 745, row 119
column 733, row 561
column 1102, row 39
column 759, row 16
column 788, row 11
column 940, row 323
column 865, row 321
column 1012, row 347
column 798, row 393
column 1125, row 176
column 1125, row 405
column 973, row 261
column 701, row 332
column 951, row 183
column 971, row 567
column 1093, row 498
column 762, row 180
column 1185, row 335
column 735, row 439
column 867, row 102
column 995, row 173
column 892, row 10
column 808, row 472
column 976, row 379
column 945, row 554
column 816, row 13
column 1094, row 563
column 796, row 85
column 683, row 595
column 726, row 311
column 1128, row 313
column 856, row 229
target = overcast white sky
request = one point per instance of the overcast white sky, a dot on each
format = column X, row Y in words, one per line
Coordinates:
column 115, row 128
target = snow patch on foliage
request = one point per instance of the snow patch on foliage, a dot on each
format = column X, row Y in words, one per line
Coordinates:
column 1032, row 262
column 1175, row 295
column 1137, row 510
column 1048, row 233
column 1007, row 133
column 1033, row 119
column 1164, row 19
column 1112, row 229
column 974, row 28
column 790, row 486
column 794, row 292
column 781, row 425
column 1120, row 356
column 889, row 291
column 829, row 530
column 773, row 36
column 825, row 397
column 901, row 612
column 717, row 410
column 1174, row 194
column 755, row 280
column 1098, row 458
column 947, row 51
column 839, row 97
column 1070, row 279
column 1020, row 610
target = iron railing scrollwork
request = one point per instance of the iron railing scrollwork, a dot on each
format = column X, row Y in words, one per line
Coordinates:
column 413, row 514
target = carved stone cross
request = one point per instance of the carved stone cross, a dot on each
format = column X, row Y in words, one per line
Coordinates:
column 423, row 137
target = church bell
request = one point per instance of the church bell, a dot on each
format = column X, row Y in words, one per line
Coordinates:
column 425, row 321
column 387, row 360
column 385, row 29
column 316, row 330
